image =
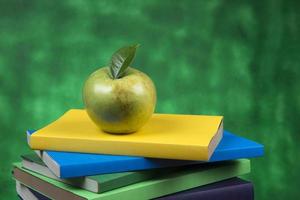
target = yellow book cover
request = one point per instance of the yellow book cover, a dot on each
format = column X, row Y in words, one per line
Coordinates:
column 169, row 136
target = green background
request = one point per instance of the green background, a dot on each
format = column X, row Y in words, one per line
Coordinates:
column 239, row 59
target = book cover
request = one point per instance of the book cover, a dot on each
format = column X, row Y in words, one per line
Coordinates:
column 231, row 189
column 169, row 136
column 97, row 183
column 68, row 164
column 182, row 178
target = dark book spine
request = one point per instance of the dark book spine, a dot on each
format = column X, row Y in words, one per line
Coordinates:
column 242, row 191
column 38, row 195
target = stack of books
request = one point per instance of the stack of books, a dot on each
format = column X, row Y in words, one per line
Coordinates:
column 171, row 157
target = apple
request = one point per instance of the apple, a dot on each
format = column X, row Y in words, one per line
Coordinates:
column 119, row 99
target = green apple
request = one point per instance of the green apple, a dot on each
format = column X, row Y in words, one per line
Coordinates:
column 119, row 98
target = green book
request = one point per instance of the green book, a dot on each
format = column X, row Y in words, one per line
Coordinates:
column 97, row 184
column 179, row 179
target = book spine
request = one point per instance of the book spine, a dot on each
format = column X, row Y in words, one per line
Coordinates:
column 71, row 171
column 237, row 192
column 120, row 148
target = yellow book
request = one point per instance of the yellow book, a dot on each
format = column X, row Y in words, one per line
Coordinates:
column 170, row 136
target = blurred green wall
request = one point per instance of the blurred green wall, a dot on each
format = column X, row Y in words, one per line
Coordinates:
column 239, row 59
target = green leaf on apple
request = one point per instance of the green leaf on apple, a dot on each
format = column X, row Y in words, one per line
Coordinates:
column 121, row 60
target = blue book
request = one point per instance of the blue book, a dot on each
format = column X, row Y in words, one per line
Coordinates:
column 70, row 164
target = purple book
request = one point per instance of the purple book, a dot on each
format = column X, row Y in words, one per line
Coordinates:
column 231, row 189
